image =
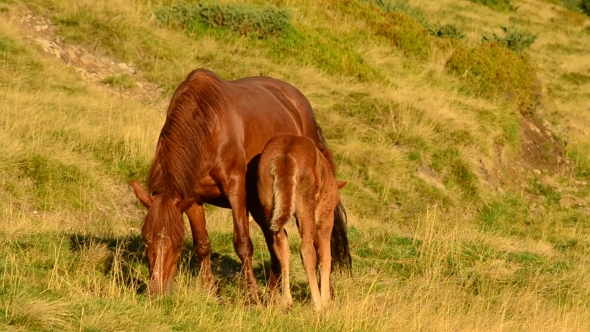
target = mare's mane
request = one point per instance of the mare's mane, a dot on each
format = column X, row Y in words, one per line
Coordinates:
column 193, row 112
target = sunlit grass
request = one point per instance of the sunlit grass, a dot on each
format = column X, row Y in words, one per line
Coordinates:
column 449, row 228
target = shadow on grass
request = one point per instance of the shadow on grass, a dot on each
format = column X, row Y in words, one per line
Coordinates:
column 127, row 252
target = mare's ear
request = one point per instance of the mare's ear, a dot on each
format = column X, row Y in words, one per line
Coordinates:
column 185, row 204
column 141, row 194
column 341, row 184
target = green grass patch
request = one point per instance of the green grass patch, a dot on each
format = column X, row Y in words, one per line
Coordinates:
column 498, row 5
column 120, row 82
column 495, row 71
column 269, row 28
column 579, row 155
column 455, row 172
column 55, row 183
column 15, row 59
column 552, row 196
column 244, row 19
column 506, row 214
column 582, row 6
column 406, row 33
column 400, row 6
column 576, row 78
column 116, row 156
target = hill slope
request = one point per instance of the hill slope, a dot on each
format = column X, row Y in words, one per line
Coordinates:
column 467, row 161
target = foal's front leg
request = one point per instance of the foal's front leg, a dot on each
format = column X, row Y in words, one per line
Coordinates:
column 196, row 217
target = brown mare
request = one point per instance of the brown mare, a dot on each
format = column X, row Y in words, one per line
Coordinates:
column 214, row 129
column 295, row 177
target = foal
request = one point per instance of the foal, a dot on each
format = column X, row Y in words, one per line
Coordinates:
column 295, row 177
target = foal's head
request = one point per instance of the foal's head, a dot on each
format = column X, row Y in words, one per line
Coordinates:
column 163, row 232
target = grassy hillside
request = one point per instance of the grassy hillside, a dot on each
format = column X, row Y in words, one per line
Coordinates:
column 465, row 145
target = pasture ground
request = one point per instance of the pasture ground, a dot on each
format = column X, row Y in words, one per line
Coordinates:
column 468, row 184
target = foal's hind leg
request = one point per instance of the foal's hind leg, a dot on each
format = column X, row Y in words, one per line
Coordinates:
column 262, row 217
column 307, row 229
column 323, row 237
column 282, row 250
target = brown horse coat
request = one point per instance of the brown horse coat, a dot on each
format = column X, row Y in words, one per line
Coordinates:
column 213, row 130
column 294, row 177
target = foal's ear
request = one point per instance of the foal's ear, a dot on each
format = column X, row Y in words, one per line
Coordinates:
column 185, row 204
column 141, row 194
column 341, row 184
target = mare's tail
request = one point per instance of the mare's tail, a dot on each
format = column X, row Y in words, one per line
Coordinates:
column 322, row 145
column 283, row 171
column 341, row 259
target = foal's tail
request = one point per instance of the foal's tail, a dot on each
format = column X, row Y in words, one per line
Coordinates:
column 341, row 259
column 283, row 170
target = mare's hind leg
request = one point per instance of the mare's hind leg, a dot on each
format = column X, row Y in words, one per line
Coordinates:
column 196, row 217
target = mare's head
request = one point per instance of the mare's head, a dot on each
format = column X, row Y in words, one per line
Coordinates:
column 163, row 232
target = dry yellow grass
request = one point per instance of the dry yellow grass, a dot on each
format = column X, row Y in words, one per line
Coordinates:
column 428, row 253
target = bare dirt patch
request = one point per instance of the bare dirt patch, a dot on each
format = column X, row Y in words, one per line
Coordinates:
column 540, row 149
column 93, row 68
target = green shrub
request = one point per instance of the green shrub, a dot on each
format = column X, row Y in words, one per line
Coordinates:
column 448, row 30
column 401, row 6
column 272, row 31
column 513, row 39
column 406, row 33
column 494, row 71
column 499, row 5
column 244, row 19
column 574, row 5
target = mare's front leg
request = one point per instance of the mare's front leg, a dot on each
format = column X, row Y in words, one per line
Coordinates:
column 196, row 217
column 235, row 190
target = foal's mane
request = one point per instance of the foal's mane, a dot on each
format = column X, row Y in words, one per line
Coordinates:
column 194, row 110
